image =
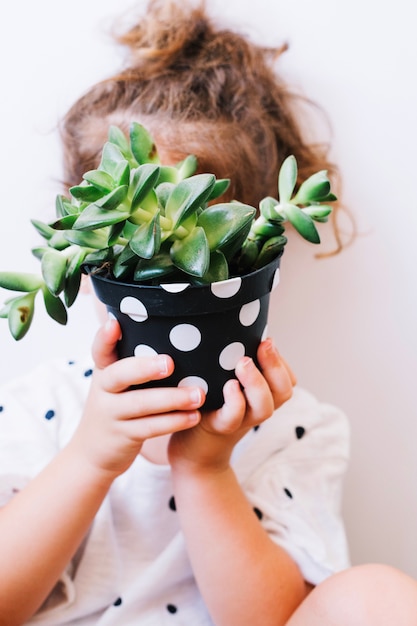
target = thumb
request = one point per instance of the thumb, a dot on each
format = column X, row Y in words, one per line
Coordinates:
column 104, row 345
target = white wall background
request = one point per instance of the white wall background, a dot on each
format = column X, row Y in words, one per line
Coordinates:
column 346, row 324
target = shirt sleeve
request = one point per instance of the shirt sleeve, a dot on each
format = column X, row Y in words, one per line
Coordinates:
column 292, row 471
column 38, row 413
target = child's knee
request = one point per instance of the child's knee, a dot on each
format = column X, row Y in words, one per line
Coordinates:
column 367, row 595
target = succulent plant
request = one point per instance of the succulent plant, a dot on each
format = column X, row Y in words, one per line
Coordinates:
column 140, row 221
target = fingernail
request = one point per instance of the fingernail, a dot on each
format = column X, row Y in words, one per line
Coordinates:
column 195, row 396
column 163, row 365
column 270, row 347
column 109, row 323
column 247, row 361
column 194, row 416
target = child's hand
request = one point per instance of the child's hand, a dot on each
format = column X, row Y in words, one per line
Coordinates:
column 210, row 444
column 117, row 419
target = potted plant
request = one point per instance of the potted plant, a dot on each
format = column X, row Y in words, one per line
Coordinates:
column 161, row 249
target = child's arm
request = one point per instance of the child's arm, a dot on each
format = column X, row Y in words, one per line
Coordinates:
column 244, row 577
column 42, row 526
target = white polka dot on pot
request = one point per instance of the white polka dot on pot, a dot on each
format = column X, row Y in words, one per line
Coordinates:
column 134, row 308
column 275, row 281
column 143, row 349
column 185, row 337
column 231, row 354
column 249, row 313
column 226, row 288
column 194, row 381
column 174, row 287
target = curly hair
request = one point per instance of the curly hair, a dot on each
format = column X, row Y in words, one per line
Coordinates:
column 200, row 90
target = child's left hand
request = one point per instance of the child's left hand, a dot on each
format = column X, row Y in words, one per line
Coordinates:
column 249, row 400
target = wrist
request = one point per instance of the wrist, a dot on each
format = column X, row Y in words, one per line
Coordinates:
column 92, row 470
column 200, row 468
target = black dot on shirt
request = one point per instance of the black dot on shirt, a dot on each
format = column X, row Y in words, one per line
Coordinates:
column 172, row 504
column 257, row 427
column 117, row 602
column 288, row 492
column 171, row 608
column 49, row 414
column 258, row 512
column 1, row 408
column 300, row 431
column 88, row 373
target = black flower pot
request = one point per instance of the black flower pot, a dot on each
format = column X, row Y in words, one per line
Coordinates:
column 206, row 329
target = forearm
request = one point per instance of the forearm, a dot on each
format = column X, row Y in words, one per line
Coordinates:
column 41, row 529
column 243, row 576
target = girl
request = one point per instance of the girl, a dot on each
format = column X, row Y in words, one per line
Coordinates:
column 129, row 506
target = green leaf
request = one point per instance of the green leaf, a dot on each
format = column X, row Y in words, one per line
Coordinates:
column 100, row 179
column 125, row 262
column 319, row 213
column 287, row 178
column 143, row 180
column 187, row 196
column 54, row 266
column 218, row 268
column 265, row 230
column 192, row 254
column 94, row 217
column 85, row 192
column 58, row 241
column 20, row 281
column 163, row 192
column 20, row 314
column 160, row 266
column 270, row 250
column 220, row 186
column 315, row 189
column 113, row 199
column 73, row 277
column 117, row 137
column 88, row 239
column 146, row 240
column 223, row 223
column 115, row 233
column 45, row 230
column 168, row 174
column 55, row 307
column 98, row 257
column 39, row 251
column 63, row 223
column 122, row 174
column 5, row 310
column 302, row 222
column 111, row 158
column 64, row 206
column 248, row 255
column 142, row 144
column 270, row 209
column 187, row 167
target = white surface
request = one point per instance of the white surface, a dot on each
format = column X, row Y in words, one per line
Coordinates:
column 346, row 324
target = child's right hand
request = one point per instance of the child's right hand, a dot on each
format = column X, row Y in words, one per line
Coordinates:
column 117, row 419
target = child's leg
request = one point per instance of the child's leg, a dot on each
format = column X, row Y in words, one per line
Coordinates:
column 365, row 595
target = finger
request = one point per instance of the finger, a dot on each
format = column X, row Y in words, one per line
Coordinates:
column 135, row 370
column 155, row 401
column 278, row 374
column 230, row 416
column 104, row 345
column 259, row 397
column 162, row 424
